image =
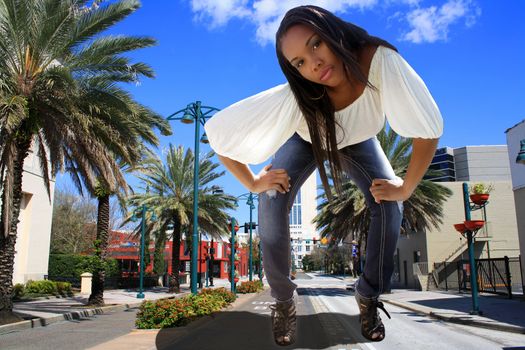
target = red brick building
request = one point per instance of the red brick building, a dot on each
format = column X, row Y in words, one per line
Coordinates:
column 126, row 250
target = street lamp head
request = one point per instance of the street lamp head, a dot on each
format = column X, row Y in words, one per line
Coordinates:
column 520, row 159
column 204, row 138
column 188, row 117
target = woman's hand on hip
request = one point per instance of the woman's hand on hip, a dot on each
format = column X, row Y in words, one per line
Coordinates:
column 267, row 179
column 389, row 190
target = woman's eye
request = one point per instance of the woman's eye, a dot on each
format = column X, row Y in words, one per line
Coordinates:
column 298, row 64
column 316, row 44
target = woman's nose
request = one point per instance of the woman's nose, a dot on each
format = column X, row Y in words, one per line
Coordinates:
column 317, row 64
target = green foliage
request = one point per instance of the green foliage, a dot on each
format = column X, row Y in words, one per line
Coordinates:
column 72, row 265
column 166, row 313
column 64, row 288
column 159, row 265
column 250, row 287
column 347, row 214
column 18, row 290
column 221, row 292
column 41, row 287
column 480, row 188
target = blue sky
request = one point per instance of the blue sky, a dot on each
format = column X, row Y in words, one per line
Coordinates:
column 469, row 53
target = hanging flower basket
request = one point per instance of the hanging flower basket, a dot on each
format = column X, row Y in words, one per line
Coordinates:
column 474, row 225
column 479, row 198
column 460, row 228
column 235, row 279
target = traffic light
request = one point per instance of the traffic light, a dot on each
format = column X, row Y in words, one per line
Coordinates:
column 247, row 226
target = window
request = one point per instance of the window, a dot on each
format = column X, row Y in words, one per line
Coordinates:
column 299, row 248
column 295, row 213
column 307, row 248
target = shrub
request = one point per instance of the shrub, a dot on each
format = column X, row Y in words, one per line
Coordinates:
column 73, row 265
column 64, row 288
column 41, row 287
column 167, row 313
column 18, row 290
column 222, row 292
column 250, row 287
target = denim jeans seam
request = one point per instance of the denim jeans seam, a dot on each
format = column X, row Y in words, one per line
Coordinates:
column 383, row 223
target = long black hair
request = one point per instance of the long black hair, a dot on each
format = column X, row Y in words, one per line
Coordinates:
column 345, row 40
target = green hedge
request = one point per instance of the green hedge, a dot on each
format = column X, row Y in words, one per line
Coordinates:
column 166, row 313
column 41, row 288
column 73, row 265
column 250, row 287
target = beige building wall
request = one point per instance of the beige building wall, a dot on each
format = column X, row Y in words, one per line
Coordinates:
column 499, row 238
column 34, row 228
column 303, row 235
column 514, row 136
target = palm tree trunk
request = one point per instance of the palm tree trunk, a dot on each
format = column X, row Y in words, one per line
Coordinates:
column 174, row 281
column 11, row 199
column 101, row 245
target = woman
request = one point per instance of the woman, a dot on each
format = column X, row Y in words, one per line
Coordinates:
column 341, row 84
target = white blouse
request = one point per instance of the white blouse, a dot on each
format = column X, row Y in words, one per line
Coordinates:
column 252, row 130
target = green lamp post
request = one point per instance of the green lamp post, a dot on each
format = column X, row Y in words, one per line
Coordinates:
column 249, row 201
column 469, row 231
column 195, row 112
column 144, row 210
column 234, row 228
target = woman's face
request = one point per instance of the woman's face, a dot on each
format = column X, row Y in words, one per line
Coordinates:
column 312, row 57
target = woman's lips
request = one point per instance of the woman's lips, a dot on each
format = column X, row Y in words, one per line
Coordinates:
column 326, row 73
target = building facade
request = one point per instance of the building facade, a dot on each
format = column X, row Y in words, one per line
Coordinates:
column 515, row 138
column 302, row 230
column 34, row 229
column 126, row 250
column 499, row 237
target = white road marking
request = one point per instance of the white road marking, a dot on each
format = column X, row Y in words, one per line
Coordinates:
column 321, row 307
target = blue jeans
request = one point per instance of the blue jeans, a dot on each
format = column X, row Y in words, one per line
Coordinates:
column 363, row 162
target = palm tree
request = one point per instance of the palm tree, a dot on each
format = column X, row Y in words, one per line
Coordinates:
column 171, row 197
column 348, row 214
column 59, row 91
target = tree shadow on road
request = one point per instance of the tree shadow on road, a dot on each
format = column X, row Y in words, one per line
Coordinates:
column 246, row 330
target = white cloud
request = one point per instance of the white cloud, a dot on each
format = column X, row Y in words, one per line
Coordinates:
column 432, row 23
column 426, row 24
column 220, row 12
column 265, row 14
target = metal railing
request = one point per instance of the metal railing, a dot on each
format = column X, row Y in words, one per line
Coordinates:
column 420, row 268
column 496, row 275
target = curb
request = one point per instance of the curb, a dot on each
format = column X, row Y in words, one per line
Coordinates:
column 73, row 315
column 459, row 320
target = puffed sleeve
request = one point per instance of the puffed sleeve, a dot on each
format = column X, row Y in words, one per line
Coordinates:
column 409, row 108
column 252, row 130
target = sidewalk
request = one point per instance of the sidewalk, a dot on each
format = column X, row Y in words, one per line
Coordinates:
column 46, row 311
column 498, row 312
